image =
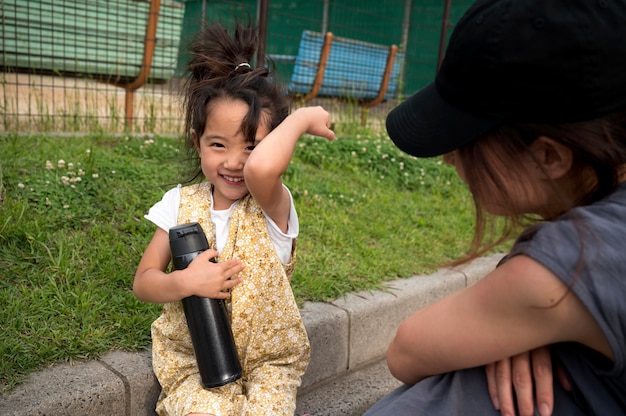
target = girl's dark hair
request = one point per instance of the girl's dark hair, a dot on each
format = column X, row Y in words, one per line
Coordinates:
column 598, row 146
column 220, row 67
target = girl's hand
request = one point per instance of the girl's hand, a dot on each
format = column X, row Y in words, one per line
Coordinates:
column 530, row 375
column 316, row 121
column 208, row 279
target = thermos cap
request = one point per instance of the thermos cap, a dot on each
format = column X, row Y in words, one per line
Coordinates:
column 187, row 238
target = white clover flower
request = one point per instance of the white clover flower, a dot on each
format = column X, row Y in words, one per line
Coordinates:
column 94, row 175
column 353, row 154
column 113, row 172
column 305, row 193
column 406, row 174
column 48, row 165
column 21, row 185
column 81, row 172
column 66, row 206
column 401, row 164
column 61, row 164
column 70, row 166
column 88, row 152
column 364, row 149
column 65, row 180
column 48, row 203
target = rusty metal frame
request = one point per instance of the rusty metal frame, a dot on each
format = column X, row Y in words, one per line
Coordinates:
column 146, row 62
column 321, row 69
column 384, row 84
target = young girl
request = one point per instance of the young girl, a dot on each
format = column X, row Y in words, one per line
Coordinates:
column 241, row 140
column 529, row 106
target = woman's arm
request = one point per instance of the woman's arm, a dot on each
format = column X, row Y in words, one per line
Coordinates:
column 271, row 157
column 518, row 307
column 201, row 277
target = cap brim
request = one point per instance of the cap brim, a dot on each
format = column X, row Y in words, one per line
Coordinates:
column 425, row 125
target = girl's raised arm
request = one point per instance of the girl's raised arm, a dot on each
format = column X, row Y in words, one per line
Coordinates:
column 271, row 157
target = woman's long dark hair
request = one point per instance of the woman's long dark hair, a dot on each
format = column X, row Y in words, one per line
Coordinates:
column 220, row 67
column 598, row 146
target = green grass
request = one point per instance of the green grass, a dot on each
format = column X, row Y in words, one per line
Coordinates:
column 69, row 246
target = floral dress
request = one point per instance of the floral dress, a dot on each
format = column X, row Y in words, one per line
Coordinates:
column 269, row 333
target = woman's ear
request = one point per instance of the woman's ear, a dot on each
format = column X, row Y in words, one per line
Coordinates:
column 554, row 158
column 196, row 140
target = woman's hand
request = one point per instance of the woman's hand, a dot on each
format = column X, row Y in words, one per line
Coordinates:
column 530, row 375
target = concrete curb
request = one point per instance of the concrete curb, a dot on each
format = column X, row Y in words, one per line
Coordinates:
column 349, row 338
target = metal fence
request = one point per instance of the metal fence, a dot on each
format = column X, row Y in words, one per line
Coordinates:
column 114, row 65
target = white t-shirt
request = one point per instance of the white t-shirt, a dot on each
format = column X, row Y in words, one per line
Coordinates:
column 164, row 214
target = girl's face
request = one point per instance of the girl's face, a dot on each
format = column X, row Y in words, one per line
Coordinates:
column 224, row 151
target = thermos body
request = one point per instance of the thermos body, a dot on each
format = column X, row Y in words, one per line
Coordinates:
column 207, row 319
column 212, row 340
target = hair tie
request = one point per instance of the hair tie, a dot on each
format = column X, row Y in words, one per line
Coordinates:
column 243, row 64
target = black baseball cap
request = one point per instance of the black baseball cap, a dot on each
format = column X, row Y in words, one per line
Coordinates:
column 553, row 61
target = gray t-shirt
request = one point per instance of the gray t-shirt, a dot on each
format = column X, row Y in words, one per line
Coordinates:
column 586, row 249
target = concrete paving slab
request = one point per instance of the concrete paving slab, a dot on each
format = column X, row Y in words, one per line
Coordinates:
column 85, row 389
column 141, row 387
column 328, row 329
column 351, row 394
column 478, row 268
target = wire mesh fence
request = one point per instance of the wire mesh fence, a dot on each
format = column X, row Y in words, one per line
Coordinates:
column 67, row 65
column 114, row 65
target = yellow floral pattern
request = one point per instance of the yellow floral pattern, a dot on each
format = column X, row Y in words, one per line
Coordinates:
column 269, row 333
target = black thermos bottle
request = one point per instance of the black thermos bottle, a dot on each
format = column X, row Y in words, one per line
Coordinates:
column 207, row 319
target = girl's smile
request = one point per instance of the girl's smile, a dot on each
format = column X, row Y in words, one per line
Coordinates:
column 224, row 150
